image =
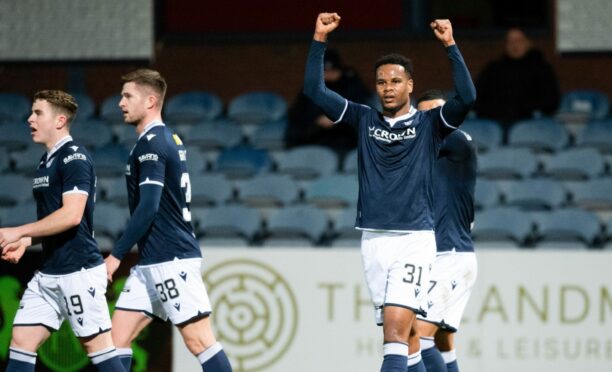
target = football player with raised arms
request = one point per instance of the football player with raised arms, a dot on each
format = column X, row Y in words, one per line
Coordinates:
column 396, row 152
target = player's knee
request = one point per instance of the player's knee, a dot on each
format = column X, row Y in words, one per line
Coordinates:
column 121, row 338
column 195, row 344
column 23, row 341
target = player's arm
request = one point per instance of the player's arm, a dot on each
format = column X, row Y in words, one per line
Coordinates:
column 141, row 220
column 332, row 104
column 456, row 108
column 65, row 218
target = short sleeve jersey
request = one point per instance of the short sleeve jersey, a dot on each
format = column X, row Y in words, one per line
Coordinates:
column 159, row 158
column 454, row 183
column 395, row 167
column 67, row 169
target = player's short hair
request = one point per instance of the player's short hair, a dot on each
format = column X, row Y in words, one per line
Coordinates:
column 148, row 78
column 61, row 101
column 395, row 59
column 431, row 94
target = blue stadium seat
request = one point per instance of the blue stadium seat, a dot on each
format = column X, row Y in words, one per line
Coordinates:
column 87, row 107
column 15, row 135
column 19, row 214
column 116, row 191
column 349, row 165
column 505, row 163
column 598, row 135
column 486, row 134
column 214, row 135
column 5, row 160
column 257, row 108
column 270, row 136
column 110, row 160
column 197, row 161
column 268, row 190
column 583, row 105
column 14, row 189
column 26, row 161
column 92, row 133
column 292, row 223
column 14, row 107
column 110, row 220
column 574, row 226
column 308, row 162
column 486, row 194
column 575, row 164
column 593, row 194
column 536, row 194
column 192, row 107
column 110, row 111
column 609, row 234
column 126, row 134
column 210, row 189
column 242, row 162
column 541, row 135
column 502, row 224
column 345, row 233
column 333, row 191
column 228, row 222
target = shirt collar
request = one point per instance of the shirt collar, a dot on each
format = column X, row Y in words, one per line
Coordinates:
column 151, row 125
column 57, row 146
column 392, row 121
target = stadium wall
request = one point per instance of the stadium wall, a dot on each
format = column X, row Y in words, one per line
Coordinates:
column 309, row 310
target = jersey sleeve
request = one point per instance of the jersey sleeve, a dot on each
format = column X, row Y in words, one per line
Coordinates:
column 76, row 172
column 151, row 160
column 353, row 113
column 457, row 147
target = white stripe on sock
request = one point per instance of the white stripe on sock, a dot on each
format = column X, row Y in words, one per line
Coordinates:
column 102, row 355
column 22, row 355
column 449, row 356
column 427, row 343
column 209, row 353
column 123, row 352
column 414, row 358
column 396, row 348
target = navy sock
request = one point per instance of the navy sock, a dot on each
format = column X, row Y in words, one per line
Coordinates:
column 450, row 358
column 106, row 360
column 415, row 363
column 396, row 357
column 214, row 359
column 21, row 361
column 432, row 358
column 125, row 356
column 452, row 366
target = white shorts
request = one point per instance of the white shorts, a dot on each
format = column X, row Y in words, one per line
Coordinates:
column 452, row 279
column 169, row 290
column 396, row 267
column 79, row 297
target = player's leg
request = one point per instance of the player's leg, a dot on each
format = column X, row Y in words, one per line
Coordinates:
column 82, row 300
column 445, row 341
column 397, row 322
column 415, row 360
column 431, row 355
column 134, row 311
column 24, row 343
column 201, row 342
column 33, row 323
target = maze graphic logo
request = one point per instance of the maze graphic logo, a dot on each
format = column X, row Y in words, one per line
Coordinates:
column 254, row 312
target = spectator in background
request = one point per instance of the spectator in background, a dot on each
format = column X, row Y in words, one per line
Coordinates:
column 308, row 125
column 518, row 84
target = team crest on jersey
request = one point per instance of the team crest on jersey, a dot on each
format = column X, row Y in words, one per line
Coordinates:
column 150, row 137
column 383, row 135
column 177, row 139
column 48, row 165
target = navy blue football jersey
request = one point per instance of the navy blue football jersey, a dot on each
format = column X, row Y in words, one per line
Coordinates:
column 454, row 182
column 395, row 167
column 67, row 168
column 159, row 158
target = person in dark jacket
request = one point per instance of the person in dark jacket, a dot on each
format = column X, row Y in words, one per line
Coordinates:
column 518, row 85
column 308, row 125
